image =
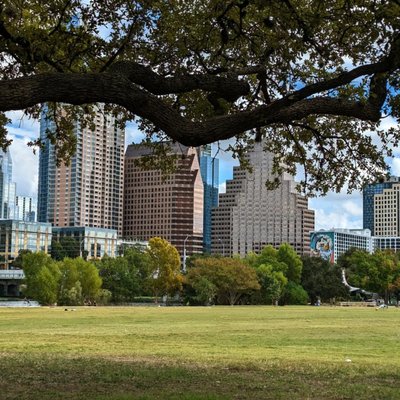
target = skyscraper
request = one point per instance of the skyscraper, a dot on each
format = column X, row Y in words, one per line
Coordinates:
column 209, row 167
column 249, row 216
column 170, row 208
column 25, row 209
column 89, row 191
column 381, row 210
column 7, row 187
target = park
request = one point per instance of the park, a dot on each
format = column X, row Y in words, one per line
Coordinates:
column 199, row 353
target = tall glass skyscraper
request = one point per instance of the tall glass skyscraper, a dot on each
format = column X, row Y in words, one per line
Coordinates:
column 89, row 191
column 209, row 168
column 7, row 187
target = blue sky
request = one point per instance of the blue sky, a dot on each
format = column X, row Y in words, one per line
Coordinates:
column 334, row 210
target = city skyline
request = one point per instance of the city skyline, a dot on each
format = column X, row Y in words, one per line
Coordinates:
column 340, row 210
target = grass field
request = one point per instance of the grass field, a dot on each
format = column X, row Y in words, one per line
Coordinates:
column 200, row 353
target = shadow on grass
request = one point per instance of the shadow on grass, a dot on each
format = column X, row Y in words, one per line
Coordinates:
column 33, row 378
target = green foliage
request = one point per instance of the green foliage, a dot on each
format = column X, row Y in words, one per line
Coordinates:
column 42, row 277
column 17, row 263
column 288, row 256
column 72, row 296
column 139, row 264
column 79, row 281
column 165, row 267
column 103, row 297
column 294, row 294
column 205, row 290
column 66, row 246
column 275, row 269
column 120, row 278
column 225, row 279
column 89, row 279
column 378, row 272
column 272, row 284
column 322, row 280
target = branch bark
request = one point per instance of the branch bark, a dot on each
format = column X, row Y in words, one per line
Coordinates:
column 116, row 89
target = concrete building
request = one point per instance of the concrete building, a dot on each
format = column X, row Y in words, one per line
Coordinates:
column 25, row 208
column 249, row 216
column 21, row 235
column 88, row 192
column 209, row 167
column 7, row 187
column 93, row 242
column 331, row 244
column 168, row 207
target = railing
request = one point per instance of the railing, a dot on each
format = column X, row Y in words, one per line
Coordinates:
column 12, row 274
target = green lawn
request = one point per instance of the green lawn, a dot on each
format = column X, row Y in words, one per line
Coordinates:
column 200, row 353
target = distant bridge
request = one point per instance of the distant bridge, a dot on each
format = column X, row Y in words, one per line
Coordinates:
column 10, row 279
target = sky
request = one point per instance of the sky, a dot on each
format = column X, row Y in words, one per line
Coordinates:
column 338, row 210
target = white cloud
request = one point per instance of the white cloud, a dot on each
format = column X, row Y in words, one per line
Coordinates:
column 338, row 210
column 352, row 208
column 335, row 219
column 25, row 167
column 25, row 163
column 22, row 124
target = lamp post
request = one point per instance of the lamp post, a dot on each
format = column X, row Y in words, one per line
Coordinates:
column 184, row 253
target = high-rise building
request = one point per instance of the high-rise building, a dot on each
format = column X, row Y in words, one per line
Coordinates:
column 209, row 167
column 25, row 209
column 168, row 207
column 7, row 187
column 89, row 191
column 381, row 209
column 249, row 216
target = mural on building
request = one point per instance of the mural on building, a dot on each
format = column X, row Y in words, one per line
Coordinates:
column 322, row 245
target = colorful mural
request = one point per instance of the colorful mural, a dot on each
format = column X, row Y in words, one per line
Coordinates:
column 322, row 245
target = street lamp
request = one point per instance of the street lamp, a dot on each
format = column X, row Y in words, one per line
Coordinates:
column 184, row 253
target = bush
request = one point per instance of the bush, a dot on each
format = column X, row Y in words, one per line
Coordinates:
column 71, row 297
column 103, row 297
column 294, row 294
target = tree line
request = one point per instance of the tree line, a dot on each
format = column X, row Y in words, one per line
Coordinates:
column 274, row 276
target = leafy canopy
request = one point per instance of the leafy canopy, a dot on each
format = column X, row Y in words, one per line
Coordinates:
column 311, row 78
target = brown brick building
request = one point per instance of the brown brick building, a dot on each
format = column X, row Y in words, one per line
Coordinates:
column 170, row 208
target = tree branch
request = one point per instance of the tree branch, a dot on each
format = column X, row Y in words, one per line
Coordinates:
column 116, row 89
column 227, row 88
